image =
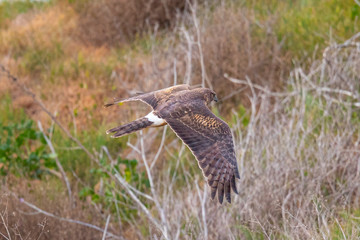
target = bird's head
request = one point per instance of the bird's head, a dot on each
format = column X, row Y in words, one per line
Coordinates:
column 209, row 96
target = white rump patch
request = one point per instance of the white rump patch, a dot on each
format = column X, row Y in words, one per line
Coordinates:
column 155, row 119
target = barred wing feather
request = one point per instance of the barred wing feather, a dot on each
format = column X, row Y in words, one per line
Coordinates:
column 210, row 140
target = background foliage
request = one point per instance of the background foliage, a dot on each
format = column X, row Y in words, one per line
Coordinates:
column 289, row 93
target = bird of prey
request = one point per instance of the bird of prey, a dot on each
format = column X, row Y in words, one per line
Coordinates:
column 208, row 137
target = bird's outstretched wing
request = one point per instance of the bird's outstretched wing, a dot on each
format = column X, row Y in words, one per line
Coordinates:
column 152, row 98
column 210, row 140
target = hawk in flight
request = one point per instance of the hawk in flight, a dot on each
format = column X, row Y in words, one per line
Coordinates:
column 208, row 137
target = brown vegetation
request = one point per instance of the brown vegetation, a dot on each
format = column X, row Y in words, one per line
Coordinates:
column 112, row 22
column 297, row 157
column 297, row 138
column 23, row 222
column 230, row 46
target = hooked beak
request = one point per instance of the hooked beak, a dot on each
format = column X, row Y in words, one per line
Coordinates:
column 216, row 99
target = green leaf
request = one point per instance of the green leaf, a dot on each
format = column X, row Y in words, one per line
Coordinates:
column 52, row 155
column 86, row 191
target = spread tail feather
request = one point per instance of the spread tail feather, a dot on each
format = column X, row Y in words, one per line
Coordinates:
column 130, row 127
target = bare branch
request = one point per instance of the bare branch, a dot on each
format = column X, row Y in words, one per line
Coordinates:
column 203, row 211
column 58, row 164
column 160, row 148
column 274, row 94
column 106, row 226
column 189, row 41
column 137, row 200
column 152, row 188
column 65, row 219
column 193, row 8
column 33, row 96
column 8, row 237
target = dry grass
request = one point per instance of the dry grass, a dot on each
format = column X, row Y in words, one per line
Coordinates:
column 297, row 148
column 50, row 57
column 39, row 47
column 204, row 48
column 23, row 222
column 230, row 46
column 299, row 162
column 37, row 30
column 111, row 22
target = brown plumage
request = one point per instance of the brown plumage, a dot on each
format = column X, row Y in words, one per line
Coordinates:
column 208, row 137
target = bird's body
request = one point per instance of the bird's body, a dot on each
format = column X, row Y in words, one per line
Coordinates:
column 208, row 137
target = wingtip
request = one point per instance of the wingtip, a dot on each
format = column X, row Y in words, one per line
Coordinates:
column 237, row 174
column 108, row 132
column 233, row 185
column 116, row 135
column 228, row 197
column 213, row 192
column 221, row 198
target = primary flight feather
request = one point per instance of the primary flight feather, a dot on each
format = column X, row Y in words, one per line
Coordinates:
column 208, row 137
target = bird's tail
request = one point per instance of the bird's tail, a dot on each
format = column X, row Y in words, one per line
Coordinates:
column 130, row 127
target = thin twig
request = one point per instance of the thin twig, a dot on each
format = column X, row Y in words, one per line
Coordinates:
column 160, row 148
column 58, row 164
column 175, row 73
column 187, row 78
column 106, row 227
column 152, row 188
column 293, row 93
column 6, row 228
column 249, row 135
column 137, row 200
column 262, row 227
column 4, row 236
column 42, row 225
column 32, row 206
column 133, row 147
column 203, row 211
column 256, row 86
column 33, row 96
column 141, row 193
column 193, row 8
column 341, row 229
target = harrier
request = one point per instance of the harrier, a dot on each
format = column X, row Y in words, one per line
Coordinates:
column 208, row 137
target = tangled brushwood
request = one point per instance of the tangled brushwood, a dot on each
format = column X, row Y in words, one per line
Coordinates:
column 298, row 155
column 112, row 22
column 296, row 130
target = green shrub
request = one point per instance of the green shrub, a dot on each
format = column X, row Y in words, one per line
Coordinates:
column 306, row 24
column 23, row 150
column 110, row 196
column 316, row 23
